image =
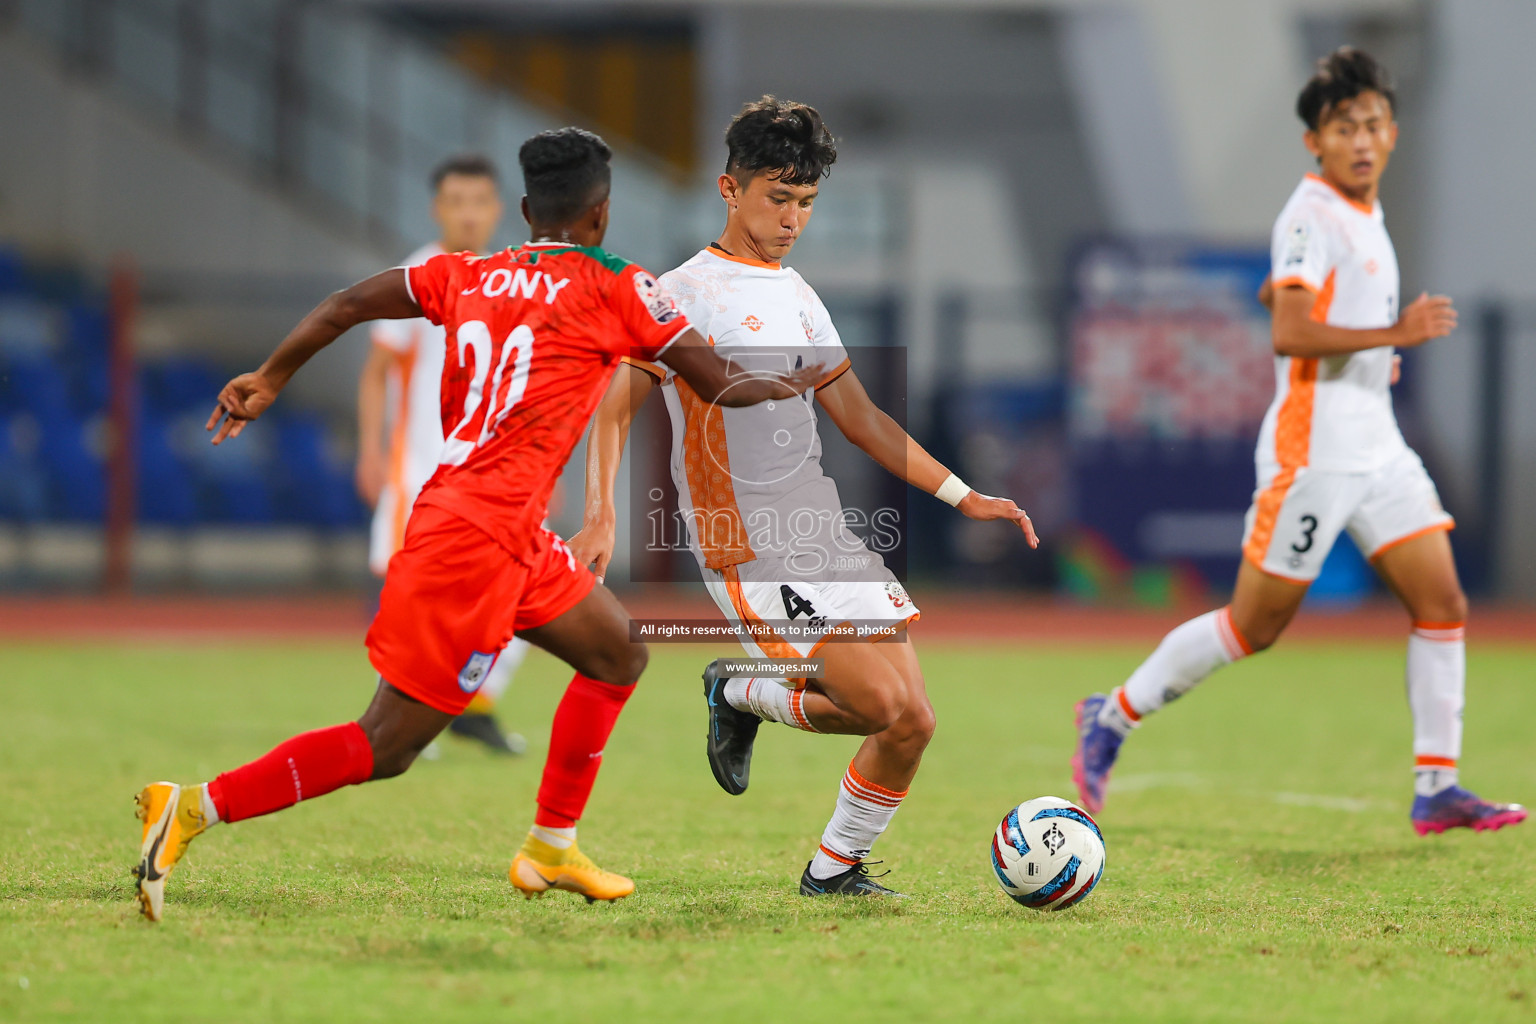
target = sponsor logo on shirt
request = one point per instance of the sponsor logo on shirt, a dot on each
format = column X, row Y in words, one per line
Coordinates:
column 752, row 324
column 657, row 302
column 1296, row 244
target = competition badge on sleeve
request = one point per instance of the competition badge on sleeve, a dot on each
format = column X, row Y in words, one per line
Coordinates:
column 656, row 301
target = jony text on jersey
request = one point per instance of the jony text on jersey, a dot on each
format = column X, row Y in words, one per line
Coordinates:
column 522, row 281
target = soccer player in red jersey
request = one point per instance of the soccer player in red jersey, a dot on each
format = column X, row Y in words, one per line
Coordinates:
column 534, row 335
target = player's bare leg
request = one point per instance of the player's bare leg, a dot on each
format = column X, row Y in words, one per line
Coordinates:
column 593, row 638
column 1262, row 607
column 1422, row 573
column 867, row 686
column 381, row 744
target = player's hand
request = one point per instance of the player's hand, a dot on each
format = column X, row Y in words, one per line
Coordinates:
column 798, row 381
column 593, row 543
column 1397, row 371
column 1427, row 317
column 242, row 400
column 372, row 471
column 979, row 506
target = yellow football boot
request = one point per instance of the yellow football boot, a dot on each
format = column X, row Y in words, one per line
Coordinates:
column 172, row 817
column 539, row 867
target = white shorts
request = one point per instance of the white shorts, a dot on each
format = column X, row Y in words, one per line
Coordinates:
column 785, row 617
column 1297, row 514
column 387, row 530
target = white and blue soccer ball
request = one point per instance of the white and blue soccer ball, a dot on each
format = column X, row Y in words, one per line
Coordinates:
column 1048, row 853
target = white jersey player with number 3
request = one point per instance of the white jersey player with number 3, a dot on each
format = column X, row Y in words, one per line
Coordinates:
column 1330, row 459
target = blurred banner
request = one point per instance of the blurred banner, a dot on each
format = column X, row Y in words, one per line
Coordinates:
column 1171, row 371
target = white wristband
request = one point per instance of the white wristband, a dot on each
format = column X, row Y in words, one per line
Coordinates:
column 952, row 490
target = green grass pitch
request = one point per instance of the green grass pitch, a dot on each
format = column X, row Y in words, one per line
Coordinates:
column 1261, row 866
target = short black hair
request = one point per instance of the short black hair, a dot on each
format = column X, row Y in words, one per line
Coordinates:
column 789, row 140
column 471, row 165
column 565, row 171
column 1342, row 75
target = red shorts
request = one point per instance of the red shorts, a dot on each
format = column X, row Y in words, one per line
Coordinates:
column 453, row 598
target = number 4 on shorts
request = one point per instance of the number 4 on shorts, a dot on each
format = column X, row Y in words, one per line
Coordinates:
column 794, row 604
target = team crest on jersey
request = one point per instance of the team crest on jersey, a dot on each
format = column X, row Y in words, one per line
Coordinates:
column 897, row 593
column 805, row 323
column 1296, row 243
column 475, row 670
column 656, row 301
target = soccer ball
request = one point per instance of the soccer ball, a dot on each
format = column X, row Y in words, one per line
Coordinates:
column 1048, row 853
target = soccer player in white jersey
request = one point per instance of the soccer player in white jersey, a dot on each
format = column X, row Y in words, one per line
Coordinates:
column 1330, row 458
column 767, row 526
column 399, row 421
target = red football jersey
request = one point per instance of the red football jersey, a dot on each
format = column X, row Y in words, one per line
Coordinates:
column 533, row 337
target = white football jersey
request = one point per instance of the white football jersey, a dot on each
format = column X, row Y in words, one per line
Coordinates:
column 749, row 480
column 1334, row 413
column 414, row 417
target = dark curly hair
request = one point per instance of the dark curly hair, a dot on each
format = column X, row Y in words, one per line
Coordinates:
column 1342, row 75
column 789, row 140
column 565, row 171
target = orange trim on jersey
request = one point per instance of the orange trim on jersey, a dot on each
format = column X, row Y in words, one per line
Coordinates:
column 398, row 442
column 1125, row 705
column 1295, row 282
column 722, row 254
column 707, row 464
column 831, row 631
column 836, row 372
column 1293, row 438
column 1266, row 514
column 892, row 630
column 1324, row 298
column 1357, row 204
column 1430, row 761
column 1449, row 524
column 763, row 635
column 640, row 364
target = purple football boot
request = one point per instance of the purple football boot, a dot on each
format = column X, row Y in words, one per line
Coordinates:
column 1097, row 748
column 1455, row 807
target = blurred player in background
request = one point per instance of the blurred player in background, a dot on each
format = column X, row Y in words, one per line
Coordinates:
column 739, row 469
column 534, row 335
column 399, row 419
column 1330, row 458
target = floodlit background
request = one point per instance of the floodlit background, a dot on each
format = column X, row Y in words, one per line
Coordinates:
column 1059, row 210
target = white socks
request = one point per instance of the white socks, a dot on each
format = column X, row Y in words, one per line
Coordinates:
column 768, row 699
column 863, row 811
column 210, row 811
column 559, row 838
column 1184, row 658
column 504, row 668
column 1437, row 682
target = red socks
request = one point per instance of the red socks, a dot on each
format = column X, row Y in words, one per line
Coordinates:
column 308, row 765
column 583, row 722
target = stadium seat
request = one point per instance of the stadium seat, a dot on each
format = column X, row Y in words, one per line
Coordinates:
column 167, row 495
column 23, row 486
column 172, row 386
column 312, row 488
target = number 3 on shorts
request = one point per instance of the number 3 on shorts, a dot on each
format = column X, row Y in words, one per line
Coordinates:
column 1308, row 528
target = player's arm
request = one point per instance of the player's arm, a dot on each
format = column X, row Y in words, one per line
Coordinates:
column 372, row 453
column 383, row 296
column 1295, row 333
column 867, row 425
column 593, row 543
column 710, row 376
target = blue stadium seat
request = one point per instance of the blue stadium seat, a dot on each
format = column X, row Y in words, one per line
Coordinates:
column 39, row 386
column 172, row 386
column 13, row 277
column 167, row 495
column 312, row 488
column 75, row 473
column 23, row 485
